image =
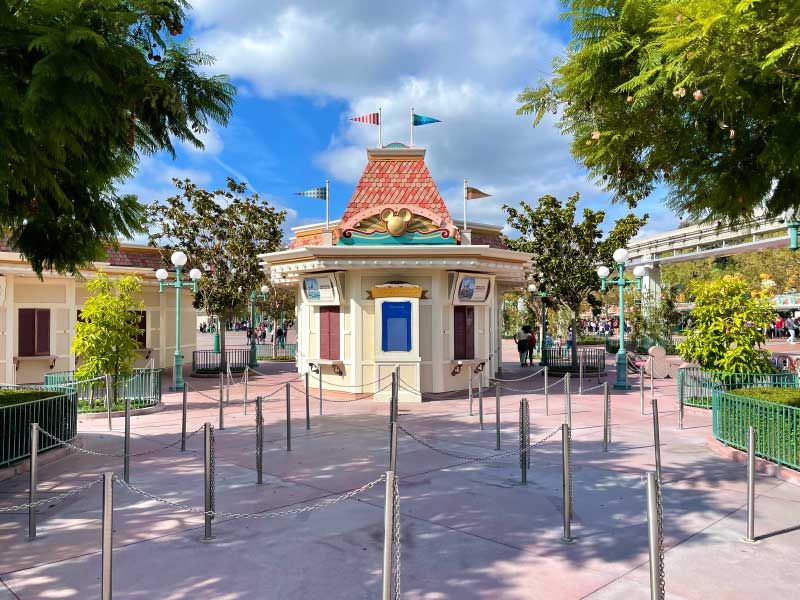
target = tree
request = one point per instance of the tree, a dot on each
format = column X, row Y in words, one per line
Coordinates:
column 222, row 233
column 279, row 302
column 106, row 333
column 566, row 253
column 653, row 317
column 727, row 332
column 85, row 87
column 700, row 95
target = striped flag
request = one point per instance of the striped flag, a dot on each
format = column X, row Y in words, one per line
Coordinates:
column 422, row 120
column 318, row 192
column 474, row 193
column 369, row 119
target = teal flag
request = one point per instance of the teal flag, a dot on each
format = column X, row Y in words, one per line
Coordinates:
column 423, row 120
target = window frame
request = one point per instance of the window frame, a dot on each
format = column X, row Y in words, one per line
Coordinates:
column 37, row 326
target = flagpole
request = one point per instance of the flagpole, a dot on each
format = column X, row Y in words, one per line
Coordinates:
column 327, row 204
column 465, row 205
column 380, row 124
column 412, row 127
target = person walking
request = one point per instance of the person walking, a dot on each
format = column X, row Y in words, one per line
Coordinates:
column 531, row 345
column 521, row 337
column 790, row 328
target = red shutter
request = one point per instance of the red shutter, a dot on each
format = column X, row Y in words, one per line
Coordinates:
column 333, row 332
column 27, row 332
column 469, row 332
column 42, row 331
column 324, row 333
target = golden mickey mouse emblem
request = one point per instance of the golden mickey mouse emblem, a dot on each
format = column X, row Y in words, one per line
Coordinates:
column 396, row 222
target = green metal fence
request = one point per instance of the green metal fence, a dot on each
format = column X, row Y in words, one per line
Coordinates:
column 207, row 361
column 143, row 388
column 777, row 426
column 57, row 415
column 560, row 359
column 270, row 351
column 695, row 386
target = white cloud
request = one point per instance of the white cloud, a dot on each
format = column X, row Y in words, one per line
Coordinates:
column 461, row 61
column 212, row 143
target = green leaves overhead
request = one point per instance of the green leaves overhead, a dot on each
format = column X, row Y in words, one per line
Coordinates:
column 85, row 86
column 699, row 95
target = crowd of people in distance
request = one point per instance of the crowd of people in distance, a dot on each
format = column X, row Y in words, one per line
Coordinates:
column 262, row 331
column 783, row 327
column 526, row 339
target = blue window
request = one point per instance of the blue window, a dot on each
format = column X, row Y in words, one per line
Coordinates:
column 396, row 321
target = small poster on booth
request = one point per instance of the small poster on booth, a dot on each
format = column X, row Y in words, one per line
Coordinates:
column 320, row 290
column 471, row 289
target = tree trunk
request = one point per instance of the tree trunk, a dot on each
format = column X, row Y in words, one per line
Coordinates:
column 223, row 358
column 574, row 350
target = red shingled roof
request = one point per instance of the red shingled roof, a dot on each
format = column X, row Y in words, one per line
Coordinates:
column 396, row 181
column 134, row 257
column 488, row 239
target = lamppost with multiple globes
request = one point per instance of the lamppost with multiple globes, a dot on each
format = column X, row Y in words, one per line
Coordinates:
column 179, row 260
column 253, row 348
column 541, row 294
column 603, row 272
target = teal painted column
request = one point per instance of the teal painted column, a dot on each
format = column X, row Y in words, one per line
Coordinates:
column 622, row 357
column 215, row 347
column 253, row 349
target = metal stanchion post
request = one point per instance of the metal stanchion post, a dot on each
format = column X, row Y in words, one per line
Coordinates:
column 107, row 535
column 606, row 416
column 228, row 387
column 246, row 380
column 680, row 399
column 393, row 399
column 567, row 400
column 657, row 440
column 288, row 419
column 652, row 377
column 580, row 373
column 393, row 446
column 523, row 440
column 751, row 484
column 388, row 536
column 653, row 537
column 308, row 403
column 470, row 390
column 546, row 393
column 259, row 441
column 319, row 373
column 183, row 417
column 208, row 478
column 221, row 413
column 497, row 413
column 33, row 481
column 641, row 388
column 566, row 482
column 126, row 465
column 480, row 397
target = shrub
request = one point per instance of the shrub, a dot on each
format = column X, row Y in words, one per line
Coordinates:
column 779, row 395
column 591, row 340
column 12, row 396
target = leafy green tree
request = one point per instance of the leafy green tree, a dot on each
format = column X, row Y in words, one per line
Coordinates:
column 565, row 252
column 106, row 335
column 279, row 303
column 728, row 324
column 85, row 87
column 653, row 317
column 699, row 95
column 222, row 233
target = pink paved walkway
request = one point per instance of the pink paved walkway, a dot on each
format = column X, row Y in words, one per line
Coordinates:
column 468, row 530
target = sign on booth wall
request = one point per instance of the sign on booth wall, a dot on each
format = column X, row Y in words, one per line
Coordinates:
column 321, row 289
column 471, row 289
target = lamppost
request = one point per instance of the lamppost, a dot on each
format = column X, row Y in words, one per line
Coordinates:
column 179, row 260
column 621, row 257
column 793, row 227
column 253, row 349
column 532, row 288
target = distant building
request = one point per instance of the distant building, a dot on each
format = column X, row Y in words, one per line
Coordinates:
column 38, row 317
column 396, row 285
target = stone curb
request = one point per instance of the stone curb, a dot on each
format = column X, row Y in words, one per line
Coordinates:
column 762, row 466
column 45, row 458
column 121, row 413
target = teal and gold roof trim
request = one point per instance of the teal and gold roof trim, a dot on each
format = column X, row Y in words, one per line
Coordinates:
column 397, row 227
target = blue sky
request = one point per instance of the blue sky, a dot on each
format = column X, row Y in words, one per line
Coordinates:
column 304, row 68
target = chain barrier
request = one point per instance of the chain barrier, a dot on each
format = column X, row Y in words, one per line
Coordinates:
column 199, row 391
column 345, row 400
column 590, row 389
column 61, row 442
column 361, row 385
column 52, row 499
column 569, row 457
column 396, row 539
column 518, row 379
column 660, row 512
column 266, row 515
column 212, row 472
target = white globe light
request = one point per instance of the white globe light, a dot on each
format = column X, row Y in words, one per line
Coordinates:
column 195, row 274
column 639, row 271
column 161, row 274
column 178, row 258
column 532, row 287
column 621, row 255
column 264, row 289
column 603, row 271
